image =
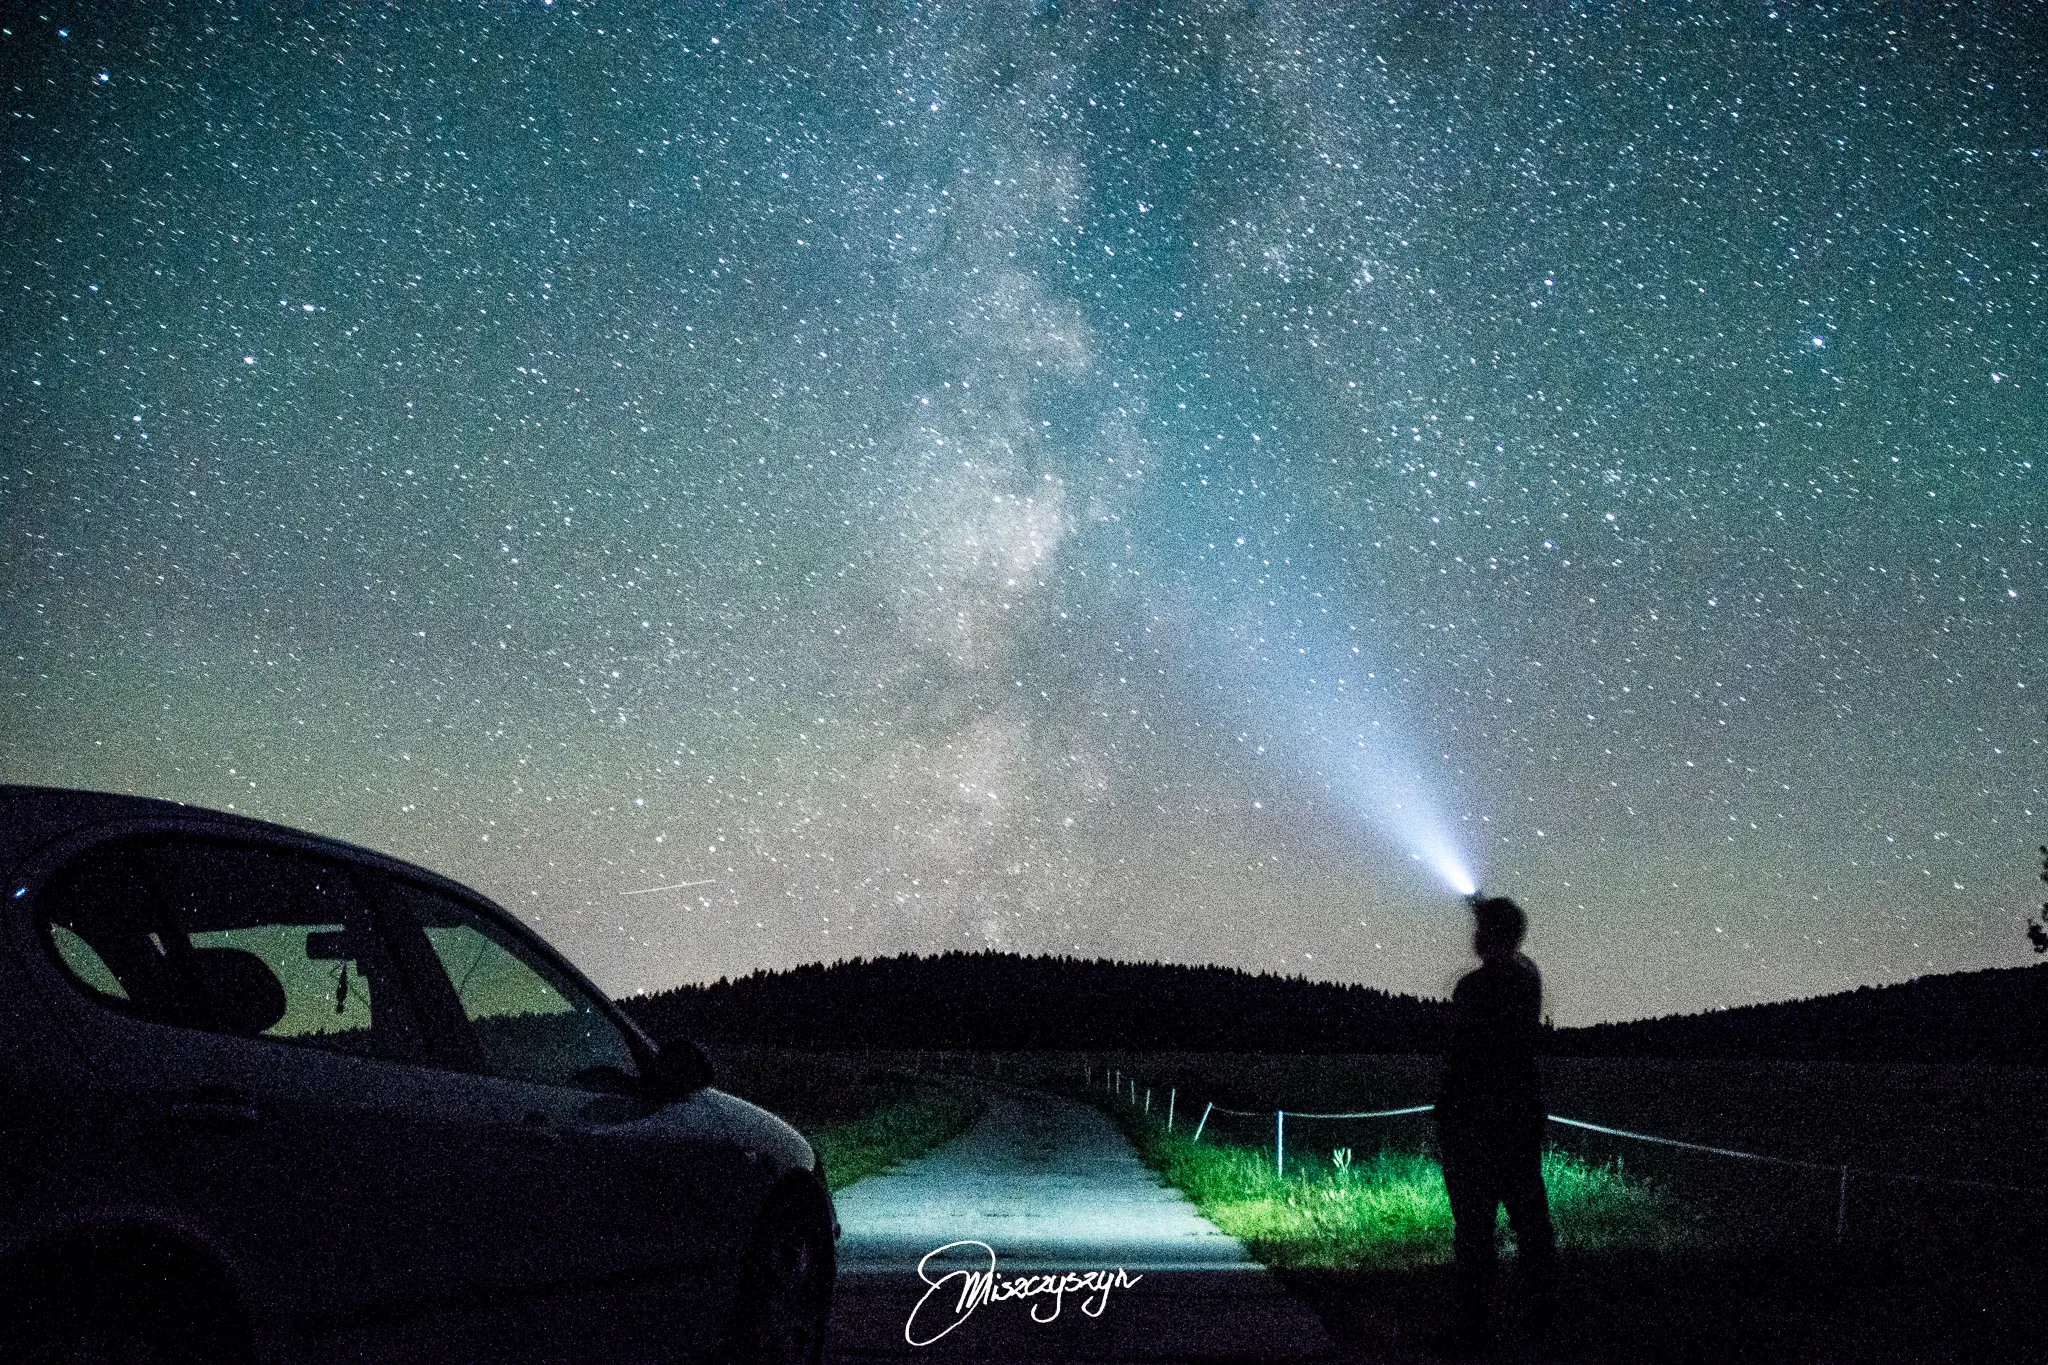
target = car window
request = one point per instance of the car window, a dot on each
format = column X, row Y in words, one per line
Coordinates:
column 532, row 1021
column 87, row 965
column 104, row 923
column 229, row 937
column 281, row 942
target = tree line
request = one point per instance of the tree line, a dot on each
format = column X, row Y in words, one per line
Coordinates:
column 993, row 1001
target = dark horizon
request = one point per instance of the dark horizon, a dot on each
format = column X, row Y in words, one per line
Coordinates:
column 977, row 999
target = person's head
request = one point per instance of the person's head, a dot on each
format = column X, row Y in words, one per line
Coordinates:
column 1497, row 926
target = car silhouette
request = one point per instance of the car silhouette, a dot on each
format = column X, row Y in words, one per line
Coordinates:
column 265, row 1096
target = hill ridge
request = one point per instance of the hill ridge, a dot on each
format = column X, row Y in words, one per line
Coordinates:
column 988, row 999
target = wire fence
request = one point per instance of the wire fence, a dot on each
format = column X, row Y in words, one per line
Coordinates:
column 1128, row 1088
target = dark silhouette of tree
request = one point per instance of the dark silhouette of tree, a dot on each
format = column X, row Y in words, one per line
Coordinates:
column 1004, row 1001
column 2037, row 929
column 1001, row 1001
column 1948, row 1018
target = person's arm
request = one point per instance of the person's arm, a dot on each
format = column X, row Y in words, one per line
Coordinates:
column 1455, row 1090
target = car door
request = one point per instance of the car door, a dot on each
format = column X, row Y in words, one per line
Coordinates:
column 255, row 1062
column 615, row 1210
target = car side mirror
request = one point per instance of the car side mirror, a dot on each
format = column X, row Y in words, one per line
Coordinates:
column 678, row 1071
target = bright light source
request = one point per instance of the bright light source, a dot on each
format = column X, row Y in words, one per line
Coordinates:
column 1429, row 845
column 1448, row 866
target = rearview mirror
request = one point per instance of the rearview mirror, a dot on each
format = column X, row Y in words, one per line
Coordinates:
column 332, row 945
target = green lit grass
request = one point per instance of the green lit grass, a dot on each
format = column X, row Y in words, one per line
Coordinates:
column 1389, row 1211
column 896, row 1131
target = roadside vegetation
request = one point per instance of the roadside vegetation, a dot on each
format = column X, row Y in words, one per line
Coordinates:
column 895, row 1131
column 864, row 1114
column 1672, row 1256
column 1388, row 1210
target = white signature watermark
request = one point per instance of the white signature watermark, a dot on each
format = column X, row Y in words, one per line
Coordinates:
column 980, row 1283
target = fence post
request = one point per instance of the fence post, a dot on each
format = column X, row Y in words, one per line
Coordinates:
column 1842, row 1207
column 1280, row 1142
column 1171, row 1096
column 1205, row 1120
column 1148, row 1099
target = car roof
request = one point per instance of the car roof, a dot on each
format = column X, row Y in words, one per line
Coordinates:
column 33, row 816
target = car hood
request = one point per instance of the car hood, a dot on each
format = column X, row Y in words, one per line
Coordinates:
column 708, row 1115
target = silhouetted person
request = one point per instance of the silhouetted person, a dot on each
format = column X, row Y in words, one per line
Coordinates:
column 1489, row 1117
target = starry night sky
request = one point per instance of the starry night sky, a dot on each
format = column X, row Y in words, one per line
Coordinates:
column 752, row 485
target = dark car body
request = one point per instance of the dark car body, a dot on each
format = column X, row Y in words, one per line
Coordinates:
column 296, row 1100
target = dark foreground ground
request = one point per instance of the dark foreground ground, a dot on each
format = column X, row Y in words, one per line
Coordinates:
column 1924, row 1273
column 1861, row 1305
column 1049, row 1186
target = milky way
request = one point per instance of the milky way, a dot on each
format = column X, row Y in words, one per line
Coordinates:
column 752, row 485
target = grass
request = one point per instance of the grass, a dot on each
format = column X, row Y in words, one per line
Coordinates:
column 863, row 1113
column 1744, row 1269
column 895, row 1131
column 1390, row 1211
column 1752, row 1274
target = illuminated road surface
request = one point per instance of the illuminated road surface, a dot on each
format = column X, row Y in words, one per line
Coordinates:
column 1050, row 1185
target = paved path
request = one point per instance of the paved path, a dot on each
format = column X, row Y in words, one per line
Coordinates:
column 1048, row 1184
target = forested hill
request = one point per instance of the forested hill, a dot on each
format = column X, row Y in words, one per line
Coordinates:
column 1003, row 1001
column 1997, row 1015
column 992, row 1000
